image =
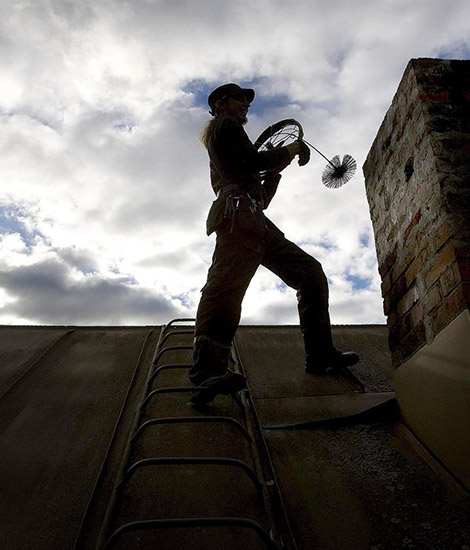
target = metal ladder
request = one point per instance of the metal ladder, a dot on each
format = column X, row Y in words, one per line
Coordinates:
column 269, row 529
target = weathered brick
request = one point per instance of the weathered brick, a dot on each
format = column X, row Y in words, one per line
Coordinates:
column 414, row 340
column 442, row 260
column 418, row 264
column 386, row 284
column 428, row 62
column 397, row 274
column 448, row 310
column 441, row 235
column 392, row 319
column 417, row 313
column 389, row 261
column 412, row 224
column 409, row 299
column 450, row 279
column 424, row 231
column 399, row 330
column 409, row 255
column 439, row 96
column 433, row 298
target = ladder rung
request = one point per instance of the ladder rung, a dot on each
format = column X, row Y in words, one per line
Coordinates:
column 170, row 348
column 158, row 370
column 173, row 321
column 193, row 420
column 196, row 461
column 191, row 523
column 175, row 333
column 180, row 389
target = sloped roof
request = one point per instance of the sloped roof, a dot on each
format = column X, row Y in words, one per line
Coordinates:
column 346, row 467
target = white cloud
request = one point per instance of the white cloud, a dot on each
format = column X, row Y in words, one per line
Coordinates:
column 104, row 184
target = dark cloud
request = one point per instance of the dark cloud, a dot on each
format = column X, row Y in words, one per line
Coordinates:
column 48, row 293
column 80, row 259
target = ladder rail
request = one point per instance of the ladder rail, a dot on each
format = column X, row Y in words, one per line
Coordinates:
column 265, row 467
column 125, row 456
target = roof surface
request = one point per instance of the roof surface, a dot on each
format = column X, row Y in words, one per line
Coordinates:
column 349, row 473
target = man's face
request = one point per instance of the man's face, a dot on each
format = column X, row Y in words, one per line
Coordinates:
column 238, row 108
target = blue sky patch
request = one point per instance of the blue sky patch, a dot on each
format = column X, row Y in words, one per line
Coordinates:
column 364, row 239
column 326, row 245
column 11, row 222
column 125, row 127
column 200, row 90
column 461, row 50
column 358, row 283
column 185, row 299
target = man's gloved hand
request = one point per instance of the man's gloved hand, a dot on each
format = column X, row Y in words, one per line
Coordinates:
column 304, row 155
column 294, row 149
column 299, row 148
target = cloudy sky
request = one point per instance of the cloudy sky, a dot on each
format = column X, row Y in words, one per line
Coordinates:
column 104, row 183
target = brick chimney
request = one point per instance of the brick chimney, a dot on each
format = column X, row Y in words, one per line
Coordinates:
column 418, row 186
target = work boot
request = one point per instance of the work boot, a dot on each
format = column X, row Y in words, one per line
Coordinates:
column 335, row 362
column 210, row 358
column 230, row 382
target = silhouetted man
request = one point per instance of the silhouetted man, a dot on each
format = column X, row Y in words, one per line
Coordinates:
column 246, row 239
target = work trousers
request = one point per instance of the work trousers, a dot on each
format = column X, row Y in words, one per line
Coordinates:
column 244, row 242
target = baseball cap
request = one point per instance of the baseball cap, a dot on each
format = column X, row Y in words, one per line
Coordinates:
column 230, row 90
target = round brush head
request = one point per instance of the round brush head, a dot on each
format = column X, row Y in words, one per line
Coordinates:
column 338, row 172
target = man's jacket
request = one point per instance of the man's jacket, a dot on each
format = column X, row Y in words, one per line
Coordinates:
column 236, row 164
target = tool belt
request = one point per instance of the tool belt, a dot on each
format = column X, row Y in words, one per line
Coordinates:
column 229, row 189
column 228, row 197
column 226, row 206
